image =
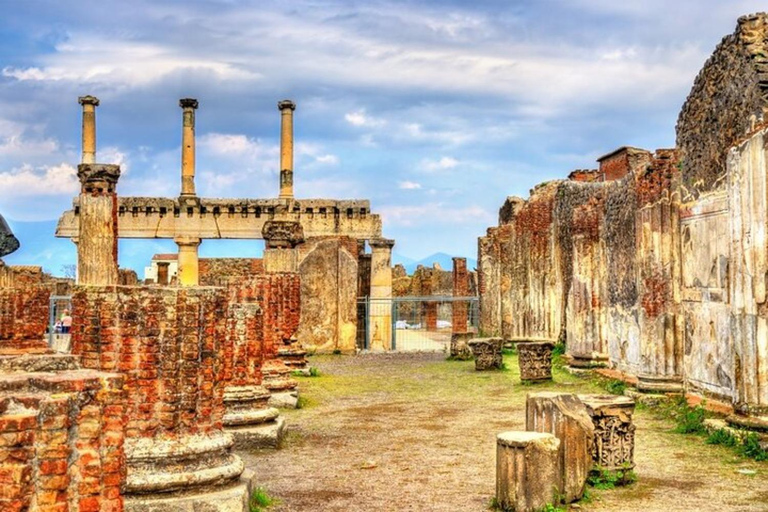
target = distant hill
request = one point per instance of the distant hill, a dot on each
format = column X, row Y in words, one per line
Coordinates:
column 444, row 260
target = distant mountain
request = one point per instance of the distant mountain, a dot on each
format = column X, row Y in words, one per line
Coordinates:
column 444, row 260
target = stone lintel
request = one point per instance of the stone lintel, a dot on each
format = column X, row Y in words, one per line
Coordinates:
column 381, row 243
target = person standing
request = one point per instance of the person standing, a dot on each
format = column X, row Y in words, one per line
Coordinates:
column 66, row 322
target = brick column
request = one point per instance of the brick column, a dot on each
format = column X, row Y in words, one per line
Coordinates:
column 168, row 342
column 381, row 288
column 286, row 108
column 97, row 245
column 89, row 104
column 460, row 289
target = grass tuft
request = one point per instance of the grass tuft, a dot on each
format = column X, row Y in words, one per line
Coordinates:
column 260, row 500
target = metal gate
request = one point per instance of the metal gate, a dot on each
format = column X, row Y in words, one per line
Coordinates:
column 423, row 324
column 58, row 340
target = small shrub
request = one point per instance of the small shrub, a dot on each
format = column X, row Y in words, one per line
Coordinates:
column 750, row 447
column 260, row 500
column 559, row 349
column 494, row 504
column 313, row 371
column 603, row 479
column 615, row 386
column 691, row 421
column 722, row 436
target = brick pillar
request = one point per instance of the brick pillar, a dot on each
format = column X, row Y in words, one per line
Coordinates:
column 97, row 243
column 286, row 108
column 460, row 289
column 381, row 288
column 168, row 342
column 89, row 104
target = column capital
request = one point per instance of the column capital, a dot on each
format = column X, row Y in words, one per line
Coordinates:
column 187, row 240
column 88, row 100
column 381, row 243
column 188, row 103
column 284, row 104
column 95, row 176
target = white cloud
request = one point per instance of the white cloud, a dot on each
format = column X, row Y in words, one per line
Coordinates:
column 409, row 185
column 442, row 164
column 28, row 181
column 434, row 214
column 360, row 118
column 327, row 159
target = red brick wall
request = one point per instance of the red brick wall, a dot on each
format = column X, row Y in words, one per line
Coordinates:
column 167, row 342
column 23, row 318
column 615, row 167
column 460, row 289
column 61, row 438
column 278, row 294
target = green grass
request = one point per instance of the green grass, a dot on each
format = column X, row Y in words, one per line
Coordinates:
column 603, row 479
column 614, row 386
column 260, row 500
column 723, row 437
column 750, row 447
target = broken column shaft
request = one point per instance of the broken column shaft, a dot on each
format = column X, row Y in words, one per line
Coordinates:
column 188, row 260
column 188, row 146
column 97, row 247
column 381, row 288
column 286, row 108
column 89, row 104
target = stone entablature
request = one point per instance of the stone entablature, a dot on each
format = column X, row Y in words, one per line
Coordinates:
column 157, row 217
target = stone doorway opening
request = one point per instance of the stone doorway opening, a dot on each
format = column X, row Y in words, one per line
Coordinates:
column 58, row 334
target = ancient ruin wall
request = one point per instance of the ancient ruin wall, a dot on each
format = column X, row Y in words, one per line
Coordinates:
column 730, row 92
column 166, row 341
column 23, row 318
column 220, row 271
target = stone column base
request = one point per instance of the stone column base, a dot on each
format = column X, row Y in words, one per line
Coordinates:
column 265, row 435
column 233, row 498
column 659, row 384
column 277, row 379
column 588, row 361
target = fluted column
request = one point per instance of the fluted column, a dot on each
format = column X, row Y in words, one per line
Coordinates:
column 189, row 105
column 286, row 108
column 89, row 104
column 97, row 243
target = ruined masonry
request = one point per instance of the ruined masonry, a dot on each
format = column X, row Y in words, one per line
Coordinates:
column 323, row 240
column 655, row 264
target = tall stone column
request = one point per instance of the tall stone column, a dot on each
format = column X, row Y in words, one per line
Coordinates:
column 381, row 288
column 459, row 312
column 189, row 105
column 286, row 148
column 188, row 260
column 97, row 245
column 89, row 104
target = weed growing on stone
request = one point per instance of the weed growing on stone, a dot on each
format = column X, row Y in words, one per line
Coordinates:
column 603, row 479
column 722, row 436
column 314, row 372
column 614, row 386
column 750, row 447
column 691, row 421
column 260, row 500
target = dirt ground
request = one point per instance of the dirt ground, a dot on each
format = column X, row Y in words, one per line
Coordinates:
column 400, row 432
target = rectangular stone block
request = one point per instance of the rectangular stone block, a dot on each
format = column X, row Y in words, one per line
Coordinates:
column 527, row 470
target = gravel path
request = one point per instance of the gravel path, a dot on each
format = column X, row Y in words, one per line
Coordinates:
column 413, row 432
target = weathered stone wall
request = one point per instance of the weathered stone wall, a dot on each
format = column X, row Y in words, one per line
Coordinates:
column 219, row 271
column 715, row 115
column 328, row 269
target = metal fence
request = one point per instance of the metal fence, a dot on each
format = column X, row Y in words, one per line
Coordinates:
column 415, row 323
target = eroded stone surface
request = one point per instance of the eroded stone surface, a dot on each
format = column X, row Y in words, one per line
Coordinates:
column 565, row 417
column 535, row 360
column 614, row 445
column 527, row 470
column 487, row 353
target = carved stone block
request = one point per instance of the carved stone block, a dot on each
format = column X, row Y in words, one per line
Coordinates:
column 535, row 360
column 487, row 352
column 614, row 445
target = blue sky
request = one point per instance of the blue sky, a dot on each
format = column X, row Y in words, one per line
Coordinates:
column 433, row 110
